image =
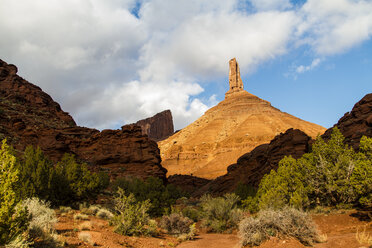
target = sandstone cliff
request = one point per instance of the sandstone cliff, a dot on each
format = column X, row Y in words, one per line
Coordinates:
column 225, row 132
column 29, row 116
column 251, row 167
column 158, row 127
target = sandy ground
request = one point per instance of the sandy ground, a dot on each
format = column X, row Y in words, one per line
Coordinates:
column 339, row 228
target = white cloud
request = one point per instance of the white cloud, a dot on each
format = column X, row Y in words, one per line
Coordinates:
column 264, row 5
column 303, row 68
column 334, row 26
column 109, row 67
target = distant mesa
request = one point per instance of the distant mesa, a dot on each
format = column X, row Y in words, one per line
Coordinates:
column 158, row 127
column 237, row 125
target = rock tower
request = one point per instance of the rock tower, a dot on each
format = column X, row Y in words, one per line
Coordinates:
column 235, row 82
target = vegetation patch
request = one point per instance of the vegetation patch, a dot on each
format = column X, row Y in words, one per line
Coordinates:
column 221, row 213
column 287, row 222
column 132, row 217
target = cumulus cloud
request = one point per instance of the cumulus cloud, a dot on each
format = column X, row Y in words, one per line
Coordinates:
column 109, row 66
column 335, row 26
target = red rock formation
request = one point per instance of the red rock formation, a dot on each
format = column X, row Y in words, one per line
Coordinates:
column 29, row 116
column 353, row 125
column 252, row 166
column 187, row 183
column 158, row 127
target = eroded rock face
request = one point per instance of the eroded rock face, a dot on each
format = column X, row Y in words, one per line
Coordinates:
column 187, row 183
column 251, row 167
column 353, row 125
column 225, row 132
column 158, row 127
column 235, row 81
column 29, row 116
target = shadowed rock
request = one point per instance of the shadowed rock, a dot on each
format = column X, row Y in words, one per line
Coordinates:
column 29, row 116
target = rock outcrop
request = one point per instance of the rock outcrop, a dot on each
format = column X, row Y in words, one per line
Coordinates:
column 187, row 183
column 235, row 81
column 252, row 166
column 29, row 116
column 225, row 132
column 353, row 125
column 158, row 127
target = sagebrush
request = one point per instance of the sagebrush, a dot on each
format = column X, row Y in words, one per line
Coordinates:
column 287, row 222
column 132, row 217
column 221, row 213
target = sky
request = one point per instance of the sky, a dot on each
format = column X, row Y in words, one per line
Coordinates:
column 113, row 62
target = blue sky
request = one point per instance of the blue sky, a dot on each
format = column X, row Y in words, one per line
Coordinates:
column 114, row 62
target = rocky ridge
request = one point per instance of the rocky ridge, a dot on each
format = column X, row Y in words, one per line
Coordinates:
column 29, row 116
column 225, row 132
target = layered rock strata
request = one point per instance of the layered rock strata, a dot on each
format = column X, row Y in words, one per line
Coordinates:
column 158, row 127
column 225, row 132
column 251, row 167
column 29, row 116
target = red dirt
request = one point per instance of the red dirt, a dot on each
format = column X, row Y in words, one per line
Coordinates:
column 340, row 229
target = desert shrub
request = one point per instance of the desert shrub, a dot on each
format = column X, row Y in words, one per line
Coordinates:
column 35, row 174
column 286, row 222
column 161, row 197
column 176, row 224
column 13, row 217
column 42, row 220
column 66, row 182
column 80, row 216
column 282, row 187
column 82, row 183
column 333, row 174
column 244, row 190
column 87, row 238
column 104, row 214
column 132, row 217
column 221, row 213
column 191, row 213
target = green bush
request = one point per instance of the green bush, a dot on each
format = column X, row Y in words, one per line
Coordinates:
column 333, row 174
column 13, row 217
column 288, row 222
column 244, row 190
column 161, row 197
column 61, row 184
column 221, row 213
column 35, row 174
column 132, row 217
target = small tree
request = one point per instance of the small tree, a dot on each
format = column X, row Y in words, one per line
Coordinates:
column 132, row 217
column 13, row 218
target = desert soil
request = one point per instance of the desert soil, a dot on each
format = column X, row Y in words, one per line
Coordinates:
column 339, row 228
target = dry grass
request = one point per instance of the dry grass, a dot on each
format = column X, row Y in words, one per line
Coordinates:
column 80, row 216
column 104, row 214
column 363, row 237
column 87, row 238
column 85, row 226
column 285, row 222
